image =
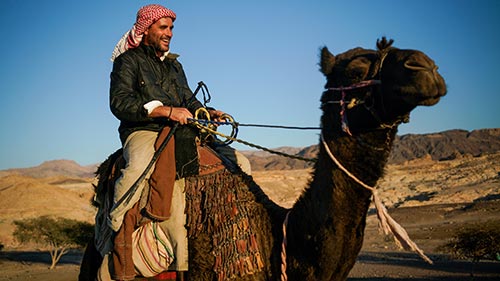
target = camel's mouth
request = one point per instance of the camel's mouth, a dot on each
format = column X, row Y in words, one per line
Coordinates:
column 431, row 97
column 415, row 82
column 420, row 100
column 423, row 94
column 430, row 101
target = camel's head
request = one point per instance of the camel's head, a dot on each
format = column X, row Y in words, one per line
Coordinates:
column 371, row 88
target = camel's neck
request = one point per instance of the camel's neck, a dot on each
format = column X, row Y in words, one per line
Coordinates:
column 330, row 215
column 364, row 156
column 336, row 197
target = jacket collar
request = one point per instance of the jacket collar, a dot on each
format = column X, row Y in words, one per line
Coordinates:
column 150, row 51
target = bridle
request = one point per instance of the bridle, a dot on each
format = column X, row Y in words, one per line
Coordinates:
column 367, row 100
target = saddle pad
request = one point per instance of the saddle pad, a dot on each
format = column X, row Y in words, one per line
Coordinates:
column 209, row 160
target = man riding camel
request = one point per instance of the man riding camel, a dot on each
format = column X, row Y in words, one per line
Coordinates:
column 149, row 93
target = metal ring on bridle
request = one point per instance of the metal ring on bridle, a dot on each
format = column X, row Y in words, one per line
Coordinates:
column 234, row 129
column 203, row 114
column 202, row 120
column 199, row 111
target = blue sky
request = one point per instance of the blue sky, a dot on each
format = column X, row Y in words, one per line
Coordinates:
column 259, row 59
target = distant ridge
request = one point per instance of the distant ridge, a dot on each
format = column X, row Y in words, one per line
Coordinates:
column 68, row 168
column 445, row 145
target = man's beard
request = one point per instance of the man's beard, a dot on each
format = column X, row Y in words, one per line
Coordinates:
column 161, row 46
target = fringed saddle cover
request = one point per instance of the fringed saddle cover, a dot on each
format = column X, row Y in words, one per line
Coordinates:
column 221, row 205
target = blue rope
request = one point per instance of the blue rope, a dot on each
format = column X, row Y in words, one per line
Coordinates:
column 206, row 122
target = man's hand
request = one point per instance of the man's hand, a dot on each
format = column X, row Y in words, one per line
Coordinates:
column 181, row 115
column 216, row 115
column 177, row 114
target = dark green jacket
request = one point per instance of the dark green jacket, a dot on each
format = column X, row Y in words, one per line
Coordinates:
column 139, row 77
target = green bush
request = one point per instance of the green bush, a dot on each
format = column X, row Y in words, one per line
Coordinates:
column 476, row 242
column 59, row 234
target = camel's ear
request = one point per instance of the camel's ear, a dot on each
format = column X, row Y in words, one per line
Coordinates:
column 327, row 61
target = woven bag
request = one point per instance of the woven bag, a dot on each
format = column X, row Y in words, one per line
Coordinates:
column 152, row 251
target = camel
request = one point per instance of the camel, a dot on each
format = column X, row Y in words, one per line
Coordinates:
column 368, row 94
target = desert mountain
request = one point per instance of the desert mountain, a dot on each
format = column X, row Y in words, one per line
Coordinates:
column 68, row 168
column 445, row 145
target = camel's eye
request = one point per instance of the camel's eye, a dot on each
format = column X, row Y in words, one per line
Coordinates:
column 358, row 68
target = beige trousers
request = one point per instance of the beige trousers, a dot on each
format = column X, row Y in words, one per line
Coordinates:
column 138, row 150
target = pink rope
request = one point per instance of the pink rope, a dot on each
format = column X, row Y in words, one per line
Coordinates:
column 284, row 277
column 361, row 84
column 343, row 115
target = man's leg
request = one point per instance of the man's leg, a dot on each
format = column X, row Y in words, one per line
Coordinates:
column 175, row 228
column 138, row 151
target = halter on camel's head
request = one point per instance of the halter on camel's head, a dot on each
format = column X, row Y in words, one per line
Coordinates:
column 363, row 93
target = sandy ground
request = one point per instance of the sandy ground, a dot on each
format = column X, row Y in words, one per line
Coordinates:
column 379, row 259
column 371, row 266
column 430, row 227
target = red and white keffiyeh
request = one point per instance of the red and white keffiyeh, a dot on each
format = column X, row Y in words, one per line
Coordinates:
column 146, row 16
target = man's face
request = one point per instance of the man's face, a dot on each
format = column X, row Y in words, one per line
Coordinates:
column 159, row 34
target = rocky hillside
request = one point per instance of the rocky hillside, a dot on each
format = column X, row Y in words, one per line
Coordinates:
column 439, row 146
column 470, row 175
column 446, row 145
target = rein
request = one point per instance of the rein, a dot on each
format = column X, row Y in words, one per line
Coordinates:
column 202, row 125
column 350, row 104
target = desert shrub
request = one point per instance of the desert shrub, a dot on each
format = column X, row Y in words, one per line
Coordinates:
column 59, row 234
column 475, row 242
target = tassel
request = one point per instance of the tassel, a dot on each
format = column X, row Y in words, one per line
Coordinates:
column 389, row 225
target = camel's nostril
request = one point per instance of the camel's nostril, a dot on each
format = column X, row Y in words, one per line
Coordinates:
column 414, row 65
column 435, row 70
